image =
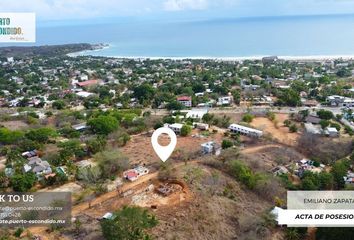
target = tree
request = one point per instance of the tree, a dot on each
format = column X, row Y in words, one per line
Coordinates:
column 243, row 174
column 339, row 170
column 59, row 104
column 9, row 137
column 324, row 123
column 289, row 97
column 23, row 182
column 70, row 148
column 236, row 96
column 103, row 124
column 247, row 118
column 293, row 128
column 344, row 72
column 92, row 102
column 120, row 137
column 174, row 105
column 166, row 172
column 185, row 130
column 324, row 114
column 144, row 93
column 111, row 161
column 226, row 144
column 304, row 114
column 41, row 135
column 326, row 181
column 129, row 223
column 96, row 145
column 310, row 183
column 158, row 125
column 208, row 117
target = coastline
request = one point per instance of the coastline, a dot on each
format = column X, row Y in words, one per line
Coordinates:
column 236, row 58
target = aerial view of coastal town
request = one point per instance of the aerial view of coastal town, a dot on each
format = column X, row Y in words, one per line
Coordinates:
column 140, row 135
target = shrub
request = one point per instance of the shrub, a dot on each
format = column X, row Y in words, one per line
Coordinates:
column 293, row 128
column 336, row 126
column 271, row 116
column 23, row 182
column 247, row 118
column 324, row 123
column 103, row 124
column 186, row 130
column 287, row 123
column 128, row 223
column 243, row 174
column 226, row 144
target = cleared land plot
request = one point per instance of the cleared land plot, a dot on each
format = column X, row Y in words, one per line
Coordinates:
column 14, row 125
column 267, row 156
column 140, row 151
column 280, row 133
column 69, row 187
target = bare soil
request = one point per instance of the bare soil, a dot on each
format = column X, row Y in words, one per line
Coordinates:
column 14, row 125
column 140, row 151
column 279, row 133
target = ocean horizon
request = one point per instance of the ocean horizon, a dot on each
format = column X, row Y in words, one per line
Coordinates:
column 292, row 36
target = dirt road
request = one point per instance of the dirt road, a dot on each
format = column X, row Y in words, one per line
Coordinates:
column 85, row 206
column 255, row 149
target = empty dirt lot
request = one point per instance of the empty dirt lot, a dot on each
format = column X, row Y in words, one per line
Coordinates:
column 140, row 151
column 279, row 133
column 14, row 125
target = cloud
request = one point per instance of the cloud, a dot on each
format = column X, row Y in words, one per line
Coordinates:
column 79, row 9
column 179, row 5
column 93, row 9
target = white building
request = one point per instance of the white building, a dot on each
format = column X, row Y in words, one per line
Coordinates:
column 79, row 127
column 340, row 101
column 185, row 100
column 197, row 113
column 331, row 132
column 211, row 148
column 349, row 178
column 224, row 101
column 201, row 126
column 141, row 170
column 176, row 127
column 84, row 94
column 313, row 129
column 251, row 132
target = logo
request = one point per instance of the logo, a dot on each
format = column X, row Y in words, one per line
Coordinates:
column 17, row 27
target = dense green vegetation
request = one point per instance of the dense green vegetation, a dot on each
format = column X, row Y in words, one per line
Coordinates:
column 129, row 223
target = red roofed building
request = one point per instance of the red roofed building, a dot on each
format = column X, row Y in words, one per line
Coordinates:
column 88, row 83
column 185, row 100
column 131, row 175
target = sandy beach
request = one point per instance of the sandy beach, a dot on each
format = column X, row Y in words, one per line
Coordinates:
column 236, row 58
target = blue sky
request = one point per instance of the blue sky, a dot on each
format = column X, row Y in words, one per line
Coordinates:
column 96, row 10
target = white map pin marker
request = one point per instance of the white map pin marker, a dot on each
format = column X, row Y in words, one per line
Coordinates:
column 164, row 152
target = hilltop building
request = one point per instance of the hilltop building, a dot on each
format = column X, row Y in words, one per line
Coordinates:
column 185, row 100
column 211, row 148
column 251, row 132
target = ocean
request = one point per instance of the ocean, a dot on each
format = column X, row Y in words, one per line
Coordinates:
column 243, row 37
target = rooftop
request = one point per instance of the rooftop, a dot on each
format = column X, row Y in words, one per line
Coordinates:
column 184, row 98
column 88, row 83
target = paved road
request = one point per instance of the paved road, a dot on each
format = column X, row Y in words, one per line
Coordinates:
column 334, row 110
